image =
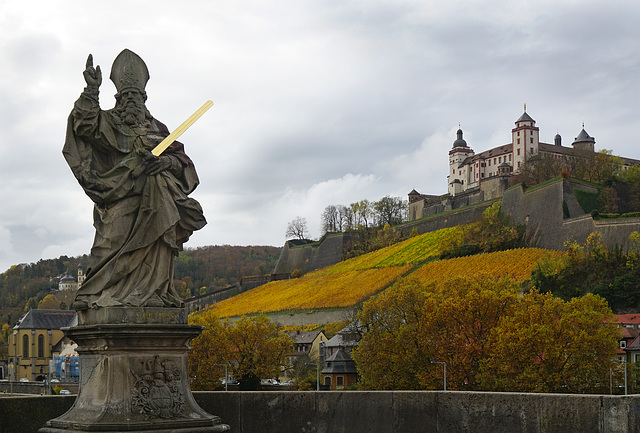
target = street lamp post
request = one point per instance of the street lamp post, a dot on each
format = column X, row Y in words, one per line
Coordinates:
column 625, row 376
column 226, row 375
column 445, row 371
column 317, row 374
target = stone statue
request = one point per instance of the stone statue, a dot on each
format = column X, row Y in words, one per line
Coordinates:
column 142, row 212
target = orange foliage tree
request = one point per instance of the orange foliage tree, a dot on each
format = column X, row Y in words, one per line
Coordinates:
column 253, row 348
column 488, row 335
column 549, row 345
column 413, row 326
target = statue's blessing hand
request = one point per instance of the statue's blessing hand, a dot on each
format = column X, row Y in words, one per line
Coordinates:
column 93, row 76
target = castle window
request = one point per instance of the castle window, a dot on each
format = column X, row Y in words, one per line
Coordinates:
column 531, row 149
column 499, row 159
column 518, row 133
column 489, row 163
column 531, row 140
column 25, row 346
column 40, row 346
column 509, row 157
column 518, row 152
column 494, row 161
column 518, row 141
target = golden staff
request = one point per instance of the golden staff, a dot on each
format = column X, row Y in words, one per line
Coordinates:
column 157, row 151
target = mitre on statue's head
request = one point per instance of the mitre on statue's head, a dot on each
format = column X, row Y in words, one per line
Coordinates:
column 129, row 71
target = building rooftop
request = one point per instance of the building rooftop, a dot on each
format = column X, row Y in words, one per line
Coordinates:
column 47, row 319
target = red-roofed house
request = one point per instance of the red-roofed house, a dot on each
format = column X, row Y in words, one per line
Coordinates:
column 629, row 320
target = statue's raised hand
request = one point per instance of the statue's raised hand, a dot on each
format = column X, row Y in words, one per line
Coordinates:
column 93, row 76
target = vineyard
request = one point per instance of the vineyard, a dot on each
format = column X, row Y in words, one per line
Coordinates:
column 313, row 291
column 516, row 264
column 351, row 282
column 413, row 251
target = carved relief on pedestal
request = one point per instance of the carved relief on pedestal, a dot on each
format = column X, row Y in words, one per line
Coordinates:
column 156, row 392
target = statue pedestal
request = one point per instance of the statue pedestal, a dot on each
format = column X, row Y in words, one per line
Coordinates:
column 133, row 374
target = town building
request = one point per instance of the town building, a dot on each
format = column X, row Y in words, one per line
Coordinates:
column 308, row 347
column 308, row 343
column 339, row 371
column 69, row 282
column 34, row 340
column 346, row 339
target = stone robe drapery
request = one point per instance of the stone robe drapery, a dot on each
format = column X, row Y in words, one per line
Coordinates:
column 141, row 221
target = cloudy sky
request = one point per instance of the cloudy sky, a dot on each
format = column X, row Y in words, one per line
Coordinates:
column 317, row 102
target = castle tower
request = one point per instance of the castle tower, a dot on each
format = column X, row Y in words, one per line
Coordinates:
column 81, row 275
column 525, row 138
column 584, row 141
column 458, row 178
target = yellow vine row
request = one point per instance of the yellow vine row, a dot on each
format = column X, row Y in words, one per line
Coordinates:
column 516, row 263
column 311, row 291
column 411, row 251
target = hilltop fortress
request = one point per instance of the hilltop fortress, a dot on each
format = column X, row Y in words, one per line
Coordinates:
column 551, row 211
column 474, row 178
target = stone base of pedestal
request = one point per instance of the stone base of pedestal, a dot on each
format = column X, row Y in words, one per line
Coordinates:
column 134, row 377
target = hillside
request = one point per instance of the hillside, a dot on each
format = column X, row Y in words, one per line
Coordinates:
column 352, row 281
column 197, row 271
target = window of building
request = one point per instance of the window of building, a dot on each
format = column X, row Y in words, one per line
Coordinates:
column 531, row 140
column 518, row 141
column 623, row 344
column 637, row 358
column 489, row 163
column 531, row 148
column 499, row 159
column 518, row 164
column 327, row 380
column 518, row 133
column 339, row 381
column 509, row 157
column 40, row 346
column 25, row 346
column 494, row 161
column 518, row 152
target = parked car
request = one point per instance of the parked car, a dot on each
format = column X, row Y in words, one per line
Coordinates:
column 54, row 381
column 24, row 379
column 64, row 392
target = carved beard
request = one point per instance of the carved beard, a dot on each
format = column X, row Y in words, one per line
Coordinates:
column 132, row 112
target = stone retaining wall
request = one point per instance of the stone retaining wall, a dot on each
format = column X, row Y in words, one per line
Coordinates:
column 379, row 412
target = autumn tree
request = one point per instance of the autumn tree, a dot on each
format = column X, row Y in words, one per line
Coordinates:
column 49, row 302
column 208, row 351
column 488, row 336
column 297, row 228
column 540, row 168
column 362, row 213
column 593, row 268
column 258, row 350
column 5, row 330
column 493, row 231
column 252, row 347
column 390, row 210
column 411, row 326
column 549, row 345
column 331, row 220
